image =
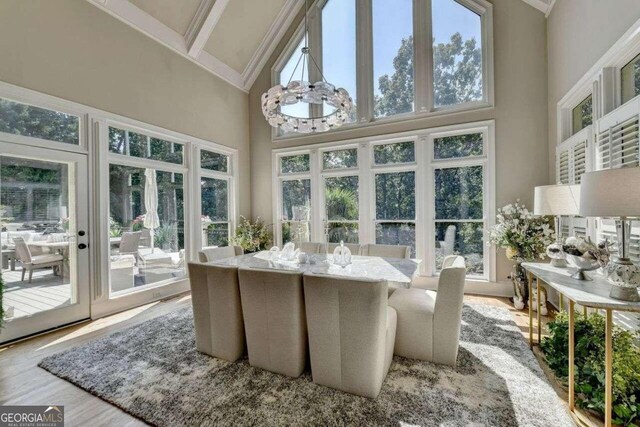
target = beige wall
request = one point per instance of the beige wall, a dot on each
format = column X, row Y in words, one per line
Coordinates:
column 579, row 32
column 73, row 50
column 520, row 113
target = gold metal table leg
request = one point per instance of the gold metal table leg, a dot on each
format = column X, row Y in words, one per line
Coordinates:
column 530, row 311
column 539, row 309
column 572, row 402
column 608, row 382
column 584, row 311
column 561, row 301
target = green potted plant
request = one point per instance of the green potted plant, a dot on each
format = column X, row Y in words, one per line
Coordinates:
column 252, row 237
column 525, row 238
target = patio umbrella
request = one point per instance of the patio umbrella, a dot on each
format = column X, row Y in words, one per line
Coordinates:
column 151, row 220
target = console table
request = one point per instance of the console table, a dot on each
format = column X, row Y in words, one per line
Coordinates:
column 592, row 294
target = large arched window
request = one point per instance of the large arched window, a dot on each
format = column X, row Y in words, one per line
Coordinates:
column 399, row 58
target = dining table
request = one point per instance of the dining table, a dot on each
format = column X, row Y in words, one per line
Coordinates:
column 397, row 272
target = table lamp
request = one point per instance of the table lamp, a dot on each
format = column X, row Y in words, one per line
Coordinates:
column 556, row 200
column 615, row 193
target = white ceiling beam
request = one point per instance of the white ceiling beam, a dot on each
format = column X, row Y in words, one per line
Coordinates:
column 267, row 46
column 202, row 25
column 543, row 6
column 140, row 20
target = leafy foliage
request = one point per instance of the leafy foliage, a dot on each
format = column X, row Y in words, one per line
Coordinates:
column 590, row 364
column 27, row 120
column 396, row 92
column 252, row 237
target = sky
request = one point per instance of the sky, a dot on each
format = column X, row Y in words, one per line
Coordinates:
column 392, row 21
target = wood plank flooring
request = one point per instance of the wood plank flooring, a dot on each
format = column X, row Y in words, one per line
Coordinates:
column 22, row 382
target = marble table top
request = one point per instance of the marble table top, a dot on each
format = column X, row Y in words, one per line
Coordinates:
column 397, row 272
column 593, row 293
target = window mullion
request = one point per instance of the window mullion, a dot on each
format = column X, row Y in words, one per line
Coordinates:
column 364, row 60
column 422, row 56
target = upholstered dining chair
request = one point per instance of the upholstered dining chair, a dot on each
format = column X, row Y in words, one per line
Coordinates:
column 351, row 333
column 217, row 311
column 274, row 320
column 355, row 248
column 387, row 251
column 429, row 322
column 214, row 254
column 35, row 262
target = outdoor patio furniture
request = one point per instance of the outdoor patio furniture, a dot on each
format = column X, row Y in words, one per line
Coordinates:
column 33, row 262
column 8, row 258
column 122, row 272
column 130, row 242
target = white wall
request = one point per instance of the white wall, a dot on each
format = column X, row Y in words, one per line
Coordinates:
column 579, row 32
column 520, row 113
column 73, row 50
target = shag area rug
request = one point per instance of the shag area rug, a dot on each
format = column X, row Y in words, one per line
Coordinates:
column 153, row 372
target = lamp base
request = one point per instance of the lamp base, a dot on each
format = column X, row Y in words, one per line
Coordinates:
column 624, row 293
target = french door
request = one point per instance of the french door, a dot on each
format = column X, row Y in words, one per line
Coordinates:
column 44, row 240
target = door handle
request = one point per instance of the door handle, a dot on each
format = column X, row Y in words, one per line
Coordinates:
column 82, row 246
column 81, row 233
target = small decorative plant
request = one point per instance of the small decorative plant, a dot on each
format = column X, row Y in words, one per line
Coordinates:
column 115, row 229
column 590, row 364
column 252, row 237
column 525, row 238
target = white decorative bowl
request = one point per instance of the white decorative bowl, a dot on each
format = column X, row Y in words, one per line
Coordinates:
column 581, row 265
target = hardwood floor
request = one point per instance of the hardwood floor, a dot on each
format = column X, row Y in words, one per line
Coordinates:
column 23, row 383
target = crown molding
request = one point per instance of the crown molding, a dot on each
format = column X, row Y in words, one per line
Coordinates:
column 274, row 35
column 203, row 23
column 140, row 20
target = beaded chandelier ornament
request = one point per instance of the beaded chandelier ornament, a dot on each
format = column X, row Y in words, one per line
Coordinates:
column 295, row 91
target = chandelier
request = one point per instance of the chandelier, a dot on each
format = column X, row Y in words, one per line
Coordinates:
column 318, row 93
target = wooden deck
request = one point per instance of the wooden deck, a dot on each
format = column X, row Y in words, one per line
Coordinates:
column 45, row 292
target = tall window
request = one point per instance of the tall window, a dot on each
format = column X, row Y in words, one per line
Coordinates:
column 457, row 54
column 582, row 115
column 215, row 179
column 146, row 210
column 293, row 70
column 395, row 219
column 394, row 74
column 630, row 79
column 341, row 195
column 295, row 197
column 393, row 57
column 459, row 200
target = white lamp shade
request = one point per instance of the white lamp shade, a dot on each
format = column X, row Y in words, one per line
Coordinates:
column 556, row 200
column 611, row 193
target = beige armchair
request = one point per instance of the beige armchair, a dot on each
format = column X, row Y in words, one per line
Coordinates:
column 35, row 262
column 429, row 322
column 213, row 254
column 217, row 311
column 274, row 320
column 355, row 248
column 387, row 251
column 310, row 247
column 351, row 333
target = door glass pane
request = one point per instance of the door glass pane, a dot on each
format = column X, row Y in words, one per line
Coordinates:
column 387, row 154
column 341, row 202
column 630, row 78
column 457, row 146
column 36, row 122
column 582, row 115
column 147, row 244
column 37, row 219
column 458, row 193
column 397, row 233
column 396, row 196
column 457, row 53
column 215, row 212
column 214, row 161
column 339, row 159
column 392, row 57
column 461, row 238
column 296, row 210
column 339, row 48
column 135, row 144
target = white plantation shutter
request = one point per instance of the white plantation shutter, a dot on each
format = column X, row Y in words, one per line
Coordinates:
column 618, row 145
column 579, row 161
column 563, row 167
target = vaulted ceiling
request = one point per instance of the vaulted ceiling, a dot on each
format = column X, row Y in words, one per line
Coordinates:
column 232, row 39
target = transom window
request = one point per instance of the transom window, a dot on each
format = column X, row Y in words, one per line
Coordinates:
column 411, row 73
column 630, row 79
column 582, row 114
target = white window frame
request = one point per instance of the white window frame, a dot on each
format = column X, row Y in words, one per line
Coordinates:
column 423, row 59
column 423, row 167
